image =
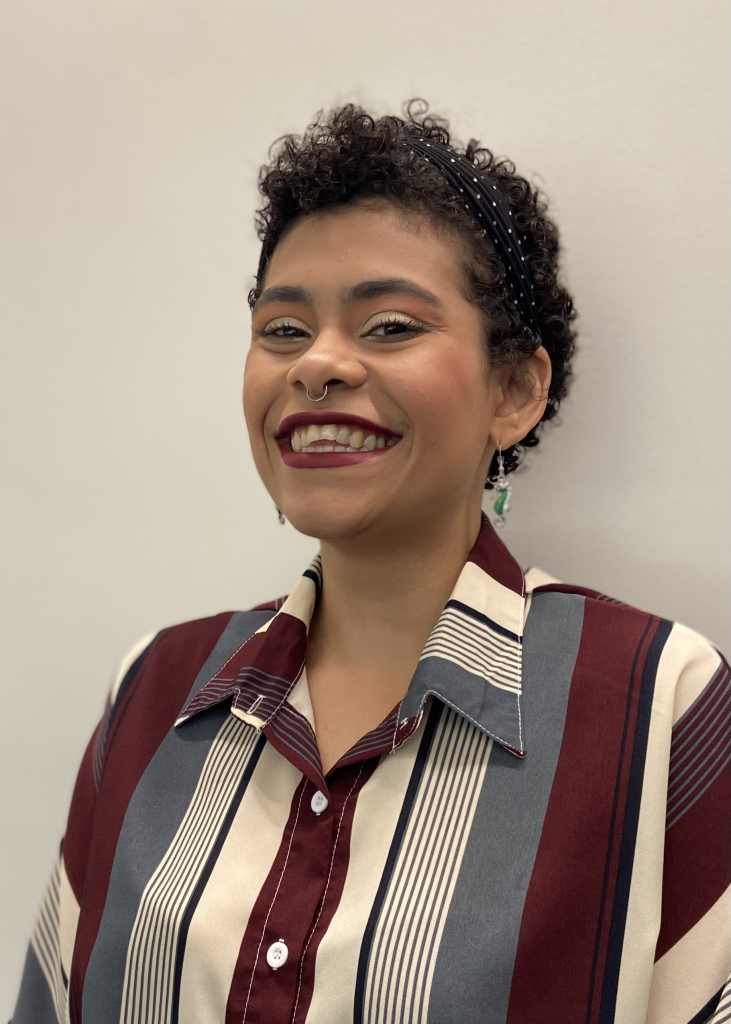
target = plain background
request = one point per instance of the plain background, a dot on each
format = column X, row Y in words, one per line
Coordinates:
column 132, row 133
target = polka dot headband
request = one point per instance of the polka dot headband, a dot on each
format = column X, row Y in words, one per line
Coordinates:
column 491, row 210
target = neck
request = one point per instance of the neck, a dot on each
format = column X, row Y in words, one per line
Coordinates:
column 381, row 601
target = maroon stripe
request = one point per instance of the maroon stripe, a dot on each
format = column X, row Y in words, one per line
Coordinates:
column 697, row 867
column 564, row 932
column 77, row 839
column 296, row 903
column 338, row 873
column 267, row 664
column 146, row 712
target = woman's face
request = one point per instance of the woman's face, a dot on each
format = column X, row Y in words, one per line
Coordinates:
column 370, row 302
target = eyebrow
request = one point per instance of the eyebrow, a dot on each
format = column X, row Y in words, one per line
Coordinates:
column 390, row 286
column 364, row 290
column 284, row 293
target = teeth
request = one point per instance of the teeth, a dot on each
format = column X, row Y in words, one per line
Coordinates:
column 310, row 438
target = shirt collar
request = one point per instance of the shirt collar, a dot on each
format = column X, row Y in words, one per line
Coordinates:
column 472, row 659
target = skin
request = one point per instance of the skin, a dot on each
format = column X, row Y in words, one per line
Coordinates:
column 394, row 531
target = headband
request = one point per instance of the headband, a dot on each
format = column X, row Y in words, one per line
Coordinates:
column 491, row 210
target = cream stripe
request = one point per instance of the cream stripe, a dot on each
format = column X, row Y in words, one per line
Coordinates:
column 233, row 888
column 480, row 591
column 645, row 898
column 376, row 816
column 301, row 602
column 46, row 941
column 693, row 660
column 417, row 902
column 69, row 913
column 694, row 969
column 149, row 970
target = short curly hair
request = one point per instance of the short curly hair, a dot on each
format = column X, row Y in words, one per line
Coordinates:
column 347, row 155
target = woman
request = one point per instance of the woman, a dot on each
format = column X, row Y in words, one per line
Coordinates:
column 423, row 788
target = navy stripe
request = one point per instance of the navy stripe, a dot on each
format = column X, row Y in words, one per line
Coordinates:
column 206, row 874
column 474, row 614
column 416, row 774
column 631, row 821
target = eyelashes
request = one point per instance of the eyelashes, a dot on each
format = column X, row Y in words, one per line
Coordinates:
column 384, row 325
column 285, row 328
column 398, row 323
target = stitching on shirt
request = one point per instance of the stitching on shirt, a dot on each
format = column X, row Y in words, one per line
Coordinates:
column 324, row 895
column 395, row 728
column 286, row 696
column 271, row 905
column 469, row 718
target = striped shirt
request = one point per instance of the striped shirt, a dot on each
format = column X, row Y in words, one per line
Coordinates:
column 538, row 832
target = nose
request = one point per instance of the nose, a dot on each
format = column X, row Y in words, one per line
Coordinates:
column 330, row 361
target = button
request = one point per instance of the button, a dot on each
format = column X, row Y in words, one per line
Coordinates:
column 277, row 955
column 319, row 802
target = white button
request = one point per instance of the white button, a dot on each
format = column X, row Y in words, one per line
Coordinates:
column 319, row 802
column 277, row 955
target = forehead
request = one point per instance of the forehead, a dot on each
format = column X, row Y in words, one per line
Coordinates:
column 367, row 241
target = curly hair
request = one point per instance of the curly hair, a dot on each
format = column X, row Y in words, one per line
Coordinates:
column 347, row 155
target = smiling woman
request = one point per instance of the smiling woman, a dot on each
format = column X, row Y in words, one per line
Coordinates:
column 425, row 787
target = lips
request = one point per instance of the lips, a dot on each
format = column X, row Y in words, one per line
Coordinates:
column 330, row 439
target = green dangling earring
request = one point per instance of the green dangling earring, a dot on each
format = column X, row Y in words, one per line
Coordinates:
column 504, row 489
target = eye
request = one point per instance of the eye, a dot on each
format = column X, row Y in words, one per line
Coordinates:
column 393, row 326
column 285, row 328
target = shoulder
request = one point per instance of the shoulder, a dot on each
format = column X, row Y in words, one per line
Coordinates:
column 176, row 655
column 618, row 642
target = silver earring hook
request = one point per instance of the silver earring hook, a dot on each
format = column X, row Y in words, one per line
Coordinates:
column 316, row 399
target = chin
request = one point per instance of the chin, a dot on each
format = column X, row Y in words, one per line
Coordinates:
column 330, row 520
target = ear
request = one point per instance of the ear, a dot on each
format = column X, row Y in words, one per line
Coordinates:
column 524, row 398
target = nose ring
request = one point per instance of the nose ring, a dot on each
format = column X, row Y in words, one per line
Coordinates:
column 316, row 399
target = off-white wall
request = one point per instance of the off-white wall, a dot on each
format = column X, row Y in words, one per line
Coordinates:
column 132, row 134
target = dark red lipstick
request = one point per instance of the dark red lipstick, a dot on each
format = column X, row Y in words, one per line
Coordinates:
column 331, row 459
column 303, row 419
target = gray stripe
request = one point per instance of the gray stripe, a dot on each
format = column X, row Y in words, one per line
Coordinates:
column 474, row 968
column 493, row 710
column 153, row 816
column 35, row 1002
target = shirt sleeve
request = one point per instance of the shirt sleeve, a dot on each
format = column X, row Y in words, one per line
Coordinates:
column 693, row 949
column 43, row 997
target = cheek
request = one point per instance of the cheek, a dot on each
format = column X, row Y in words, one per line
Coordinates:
column 451, row 398
column 258, row 388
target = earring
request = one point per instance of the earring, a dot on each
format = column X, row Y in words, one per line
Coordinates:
column 280, row 515
column 504, row 489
